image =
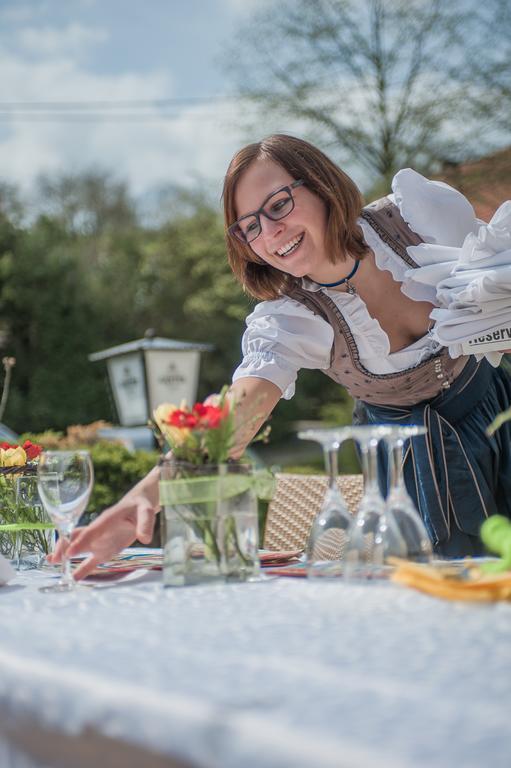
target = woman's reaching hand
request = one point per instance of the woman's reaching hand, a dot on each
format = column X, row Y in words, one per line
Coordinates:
column 114, row 529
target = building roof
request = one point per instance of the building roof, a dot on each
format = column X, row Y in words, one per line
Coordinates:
column 485, row 182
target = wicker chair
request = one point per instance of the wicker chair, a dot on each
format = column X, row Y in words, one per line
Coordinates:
column 296, row 502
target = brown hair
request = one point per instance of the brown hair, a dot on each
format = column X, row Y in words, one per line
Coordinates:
column 339, row 193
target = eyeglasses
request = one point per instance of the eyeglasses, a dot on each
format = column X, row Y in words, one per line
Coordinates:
column 276, row 206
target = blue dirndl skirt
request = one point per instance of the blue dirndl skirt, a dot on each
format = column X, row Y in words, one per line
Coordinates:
column 456, row 474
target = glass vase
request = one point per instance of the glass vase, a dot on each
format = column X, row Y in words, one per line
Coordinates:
column 209, row 523
column 26, row 532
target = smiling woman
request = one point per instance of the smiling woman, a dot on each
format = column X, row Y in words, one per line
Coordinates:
column 338, row 295
column 315, row 222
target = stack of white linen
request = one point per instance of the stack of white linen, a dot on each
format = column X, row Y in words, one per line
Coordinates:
column 472, row 284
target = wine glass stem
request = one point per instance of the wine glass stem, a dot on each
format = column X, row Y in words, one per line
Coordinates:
column 396, row 457
column 370, row 467
column 66, row 576
column 331, row 465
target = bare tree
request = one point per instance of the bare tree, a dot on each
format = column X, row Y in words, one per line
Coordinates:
column 483, row 66
column 371, row 78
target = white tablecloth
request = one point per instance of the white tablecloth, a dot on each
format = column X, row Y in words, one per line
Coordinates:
column 276, row 674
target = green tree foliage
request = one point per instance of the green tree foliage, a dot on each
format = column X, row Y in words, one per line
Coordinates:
column 65, row 291
column 188, row 290
column 51, row 328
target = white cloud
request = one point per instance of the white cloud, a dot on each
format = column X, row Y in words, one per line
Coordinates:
column 52, row 41
column 197, row 143
column 21, row 12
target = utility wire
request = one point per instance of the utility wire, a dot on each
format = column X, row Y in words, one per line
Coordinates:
column 108, row 103
column 140, row 110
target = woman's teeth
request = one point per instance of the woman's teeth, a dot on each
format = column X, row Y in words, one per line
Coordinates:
column 289, row 247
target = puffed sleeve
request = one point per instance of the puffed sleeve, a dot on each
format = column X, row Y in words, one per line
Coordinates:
column 283, row 336
column 437, row 212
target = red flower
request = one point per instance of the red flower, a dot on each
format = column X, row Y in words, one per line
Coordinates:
column 209, row 416
column 200, row 417
column 32, row 450
column 182, row 419
column 6, row 446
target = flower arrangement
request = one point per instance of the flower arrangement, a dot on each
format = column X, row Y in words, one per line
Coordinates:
column 23, row 522
column 202, row 434
column 209, row 501
column 13, row 455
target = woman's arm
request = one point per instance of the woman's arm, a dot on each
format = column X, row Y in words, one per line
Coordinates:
column 133, row 516
column 255, row 399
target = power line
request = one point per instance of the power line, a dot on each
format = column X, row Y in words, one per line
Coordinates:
column 108, row 104
column 104, row 111
column 99, row 118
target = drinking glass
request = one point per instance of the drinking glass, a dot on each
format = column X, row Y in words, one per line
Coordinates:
column 375, row 535
column 399, row 502
column 329, row 534
column 64, row 482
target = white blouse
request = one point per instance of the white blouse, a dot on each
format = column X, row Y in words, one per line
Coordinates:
column 283, row 335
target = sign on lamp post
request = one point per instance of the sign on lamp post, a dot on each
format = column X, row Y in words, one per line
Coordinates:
column 150, row 371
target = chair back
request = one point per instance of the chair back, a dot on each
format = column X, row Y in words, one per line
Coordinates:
column 296, row 502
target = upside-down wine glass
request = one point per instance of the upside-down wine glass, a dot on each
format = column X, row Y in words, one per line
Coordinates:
column 399, row 502
column 64, row 482
column 328, row 539
column 374, row 535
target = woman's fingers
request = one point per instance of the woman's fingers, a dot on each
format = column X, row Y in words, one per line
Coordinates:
column 88, row 566
column 86, row 538
column 115, row 529
column 56, row 555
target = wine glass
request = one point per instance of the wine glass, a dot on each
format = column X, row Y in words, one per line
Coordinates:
column 329, row 534
column 64, row 482
column 375, row 535
column 399, row 502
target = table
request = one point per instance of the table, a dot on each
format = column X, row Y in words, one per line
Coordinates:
column 287, row 672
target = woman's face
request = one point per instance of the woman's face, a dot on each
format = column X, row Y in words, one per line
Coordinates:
column 296, row 243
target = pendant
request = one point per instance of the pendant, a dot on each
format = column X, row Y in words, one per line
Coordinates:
column 350, row 288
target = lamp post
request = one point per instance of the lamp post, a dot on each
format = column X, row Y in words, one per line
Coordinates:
column 150, row 371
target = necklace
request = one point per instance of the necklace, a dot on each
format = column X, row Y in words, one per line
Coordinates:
column 349, row 287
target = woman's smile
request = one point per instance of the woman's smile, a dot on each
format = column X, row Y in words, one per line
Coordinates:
column 291, row 246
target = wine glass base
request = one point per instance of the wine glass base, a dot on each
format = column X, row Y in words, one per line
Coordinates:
column 326, row 569
column 369, row 572
column 28, row 563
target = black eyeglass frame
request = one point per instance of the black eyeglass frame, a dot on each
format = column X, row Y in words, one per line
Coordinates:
column 261, row 212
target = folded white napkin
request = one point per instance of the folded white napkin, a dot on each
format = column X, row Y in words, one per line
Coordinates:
column 473, row 289
column 6, row 571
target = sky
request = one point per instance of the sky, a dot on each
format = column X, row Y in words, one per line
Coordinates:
column 115, row 51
